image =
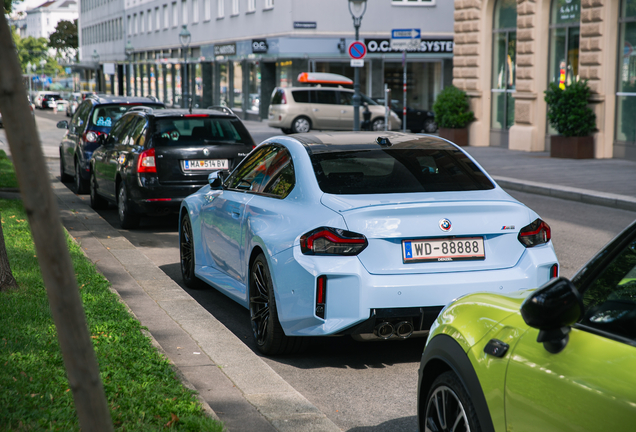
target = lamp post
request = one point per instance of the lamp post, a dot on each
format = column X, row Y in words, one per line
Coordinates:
column 129, row 50
column 357, row 8
column 42, row 63
column 95, row 58
column 184, row 38
column 29, row 68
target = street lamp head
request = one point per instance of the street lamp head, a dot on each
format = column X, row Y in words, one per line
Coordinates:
column 95, row 56
column 129, row 49
column 184, row 36
column 357, row 8
column 42, row 62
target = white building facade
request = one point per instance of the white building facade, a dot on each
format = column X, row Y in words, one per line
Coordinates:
column 42, row 20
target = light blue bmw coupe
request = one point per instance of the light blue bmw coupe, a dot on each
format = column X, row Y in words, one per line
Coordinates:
column 362, row 234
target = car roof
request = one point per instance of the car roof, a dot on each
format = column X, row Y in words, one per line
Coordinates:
column 106, row 99
column 182, row 112
column 347, row 141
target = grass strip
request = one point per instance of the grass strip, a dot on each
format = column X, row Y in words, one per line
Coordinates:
column 7, row 174
column 143, row 390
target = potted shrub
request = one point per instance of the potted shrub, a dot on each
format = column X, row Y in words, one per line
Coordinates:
column 569, row 114
column 453, row 115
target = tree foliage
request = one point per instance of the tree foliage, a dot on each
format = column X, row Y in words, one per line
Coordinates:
column 64, row 39
column 568, row 112
column 34, row 50
column 8, row 5
column 452, row 109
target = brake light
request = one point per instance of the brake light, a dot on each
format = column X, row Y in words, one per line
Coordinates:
column 196, row 115
column 147, row 162
column 321, row 296
column 332, row 241
column 537, row 233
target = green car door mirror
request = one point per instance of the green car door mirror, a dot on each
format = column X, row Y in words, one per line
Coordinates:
column 553, row 309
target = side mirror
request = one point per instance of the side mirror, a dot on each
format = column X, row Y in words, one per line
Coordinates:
column 216, row 180
column 62, row 124
column 553, row 309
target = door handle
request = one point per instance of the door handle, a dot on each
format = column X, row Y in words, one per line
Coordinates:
column 236, row 215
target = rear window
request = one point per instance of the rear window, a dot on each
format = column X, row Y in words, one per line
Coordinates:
column 277, row 96
column 397, row 171
column 184, row 131
column 301, row 96
column 107, row 115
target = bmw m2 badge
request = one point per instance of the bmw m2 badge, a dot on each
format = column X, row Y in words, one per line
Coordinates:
column 445, row 225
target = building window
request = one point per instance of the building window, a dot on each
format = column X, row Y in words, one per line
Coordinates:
column 175, row 15
column 269, row 4
column 220, row 8
column 130, row 25
column 626, row 83
column 504, row 62
column 141, row 20
column 184, row 11
column 251, row 5
column 565, row 32
column 166, row 17
column 195, row 11
column 413, row 2
column 135, row 24
column 207, row 9
column 149, row 20
column 235, row 7
column 157, row 19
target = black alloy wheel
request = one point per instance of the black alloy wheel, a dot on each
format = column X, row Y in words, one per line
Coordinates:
column 128, row 219
column 448, row 407
column 268, row 333
column 287, row 131
column 97, row 201
column 81, row 185
column 430, row 126
column 186, row 252
column 64, row 178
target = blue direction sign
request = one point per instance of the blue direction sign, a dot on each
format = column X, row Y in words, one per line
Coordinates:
column 406, row 34
column 357, row 50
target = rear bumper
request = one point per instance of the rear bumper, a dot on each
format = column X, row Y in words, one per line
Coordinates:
column 160, row 199
column 354, row 296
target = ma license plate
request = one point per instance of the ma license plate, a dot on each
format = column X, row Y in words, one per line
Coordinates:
column 443, row 249
column 208, row 164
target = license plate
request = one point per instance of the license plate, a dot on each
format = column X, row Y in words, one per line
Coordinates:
column 207, row 164
column 443, row 249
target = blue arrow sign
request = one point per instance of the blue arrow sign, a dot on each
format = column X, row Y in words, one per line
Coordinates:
column 406, row 34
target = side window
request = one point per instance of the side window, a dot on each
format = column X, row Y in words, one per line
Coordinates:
column 127, row 136
column 81, row 116
column 118, row 131
column 301, row 96
column 260, row 172
column 326, row 97
column 138, row 133
column 346, row 98
column 610, row 301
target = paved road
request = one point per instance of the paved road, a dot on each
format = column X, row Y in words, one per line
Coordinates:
column 359, row 387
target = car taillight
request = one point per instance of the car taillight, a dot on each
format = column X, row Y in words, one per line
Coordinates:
column 147, row 161
column 332, row 241
column 321, row 296
column 537, row 233
column 91, row 136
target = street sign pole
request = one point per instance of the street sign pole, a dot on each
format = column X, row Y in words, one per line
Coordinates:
column 357, row 51
column 404, row 91
column 405, row 39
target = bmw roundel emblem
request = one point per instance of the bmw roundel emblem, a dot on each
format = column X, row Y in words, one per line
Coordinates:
column 445, row 225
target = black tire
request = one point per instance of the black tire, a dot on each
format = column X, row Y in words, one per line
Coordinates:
column 301, row 125
column 268, row 334
column 430, row 126
column 449, row 407
column 98, row 202
column 286, row 131
column 377, row 124
column 81, row 185
column 128, row 219
column 186, row 252
column 64, row 178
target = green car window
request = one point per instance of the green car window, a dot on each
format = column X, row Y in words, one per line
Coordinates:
column 610, row 301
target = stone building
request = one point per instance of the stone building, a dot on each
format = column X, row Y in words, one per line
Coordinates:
column 507, row 51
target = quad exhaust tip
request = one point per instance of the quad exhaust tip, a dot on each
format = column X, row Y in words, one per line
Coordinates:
column 386, row 330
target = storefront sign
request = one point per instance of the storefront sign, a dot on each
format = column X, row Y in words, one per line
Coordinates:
column 259, row 46
column 382, row 46
column 305, row 24
column 225, row 49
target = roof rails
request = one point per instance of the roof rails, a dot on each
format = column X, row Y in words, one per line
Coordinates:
column 222, row 109
column 141, row 108
column 152, row 98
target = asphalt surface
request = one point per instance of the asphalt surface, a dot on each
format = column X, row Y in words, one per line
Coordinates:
column 234, row 383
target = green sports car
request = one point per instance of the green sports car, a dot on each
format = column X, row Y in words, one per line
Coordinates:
column 558, row 358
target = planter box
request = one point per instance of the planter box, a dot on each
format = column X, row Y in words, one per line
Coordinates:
column 457, row 136
column 572, row 147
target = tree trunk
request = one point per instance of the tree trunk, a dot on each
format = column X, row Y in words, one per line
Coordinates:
column 7, row 280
